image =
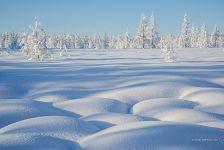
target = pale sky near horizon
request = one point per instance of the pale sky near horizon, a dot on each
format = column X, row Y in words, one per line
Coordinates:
column 107, row 16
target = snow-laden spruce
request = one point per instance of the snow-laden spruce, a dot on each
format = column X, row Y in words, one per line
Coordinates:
column 185, row 36
column 216, row 38
column 142, row 33
column 33, row 43
column 167, row 44
column 203, row 37
column 147, row 35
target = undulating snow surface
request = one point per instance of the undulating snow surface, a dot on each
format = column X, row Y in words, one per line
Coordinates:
column 113, row 100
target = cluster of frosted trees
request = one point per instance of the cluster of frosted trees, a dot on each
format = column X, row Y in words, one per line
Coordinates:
column 35, row 41
column 147, row 35
column 199, row 37
column 9, row 41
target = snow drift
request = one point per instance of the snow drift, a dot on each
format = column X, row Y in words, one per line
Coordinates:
column 113, row 99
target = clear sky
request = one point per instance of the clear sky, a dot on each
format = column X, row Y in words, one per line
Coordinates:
column 111, row 16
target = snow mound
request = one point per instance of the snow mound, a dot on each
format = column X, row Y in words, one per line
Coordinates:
column 217, row 109
column 207, row 96
column 153, row 106
column 35, row 142
column 135, row 94
column 215, row 124
column 177, row 110
column 93, row 105
column 156, row 136
column 112, row 119
column 13, row 110
column 186, row 115
column 50, row 98
column 55, row 126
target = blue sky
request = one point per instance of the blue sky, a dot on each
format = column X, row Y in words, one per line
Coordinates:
column 111, row 16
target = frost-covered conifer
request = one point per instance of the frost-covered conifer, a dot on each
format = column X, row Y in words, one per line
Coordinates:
column 184, row 38
column 203, row 37
column 167, row 45
column 215, row 37
column 25, row 44
column 142, row 34
column 194, row 37
column 126, row 40
column 153, row 33
column 34, row 42
column 105, row 41
column 2, row 44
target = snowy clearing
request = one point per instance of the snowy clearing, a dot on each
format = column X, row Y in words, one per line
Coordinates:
column 113, row 99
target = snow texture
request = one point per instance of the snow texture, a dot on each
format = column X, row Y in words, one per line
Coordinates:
column 113, row 100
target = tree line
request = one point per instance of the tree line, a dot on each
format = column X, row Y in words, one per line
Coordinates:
column 34, row 41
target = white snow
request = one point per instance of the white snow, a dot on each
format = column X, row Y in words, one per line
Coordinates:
column 113, row 99
column 156, row 135
column 56, row 126
column 105, row 120
column 92, row 105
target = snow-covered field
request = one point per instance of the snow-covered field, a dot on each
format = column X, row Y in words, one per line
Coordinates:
column 113, row 100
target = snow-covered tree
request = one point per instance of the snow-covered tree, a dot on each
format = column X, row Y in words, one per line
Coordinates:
column 71, row 39
column 120, row 43
column 62, row 44
column 34, row 43
column 153, row 33
column 25, row 44
column 86, row 42
column 105, row 41
column 221, row 41
column 126, row 40
column 51, row 41
column 91, row 43
column 38, row 37
column 142, row 34
column 14, row 41
column 215, row 37
column 113, row 42
column 59, row 44
column 8, row 40
column 184, row 38
column 203, row 37
column 61, row 41
column 194, row 37
column 2, row 44
column 167, row 45
column 67, row 41
column 97, row 42
column 64, row 50
column 75, row 42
